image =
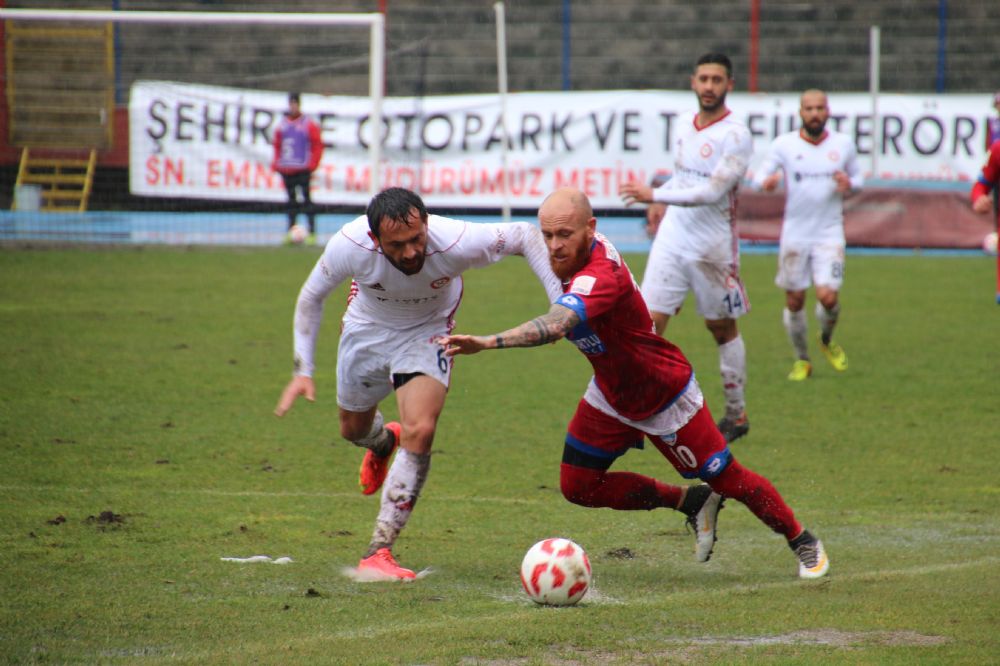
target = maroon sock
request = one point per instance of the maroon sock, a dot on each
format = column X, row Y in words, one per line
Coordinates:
column 760, row 496
column 624, row 491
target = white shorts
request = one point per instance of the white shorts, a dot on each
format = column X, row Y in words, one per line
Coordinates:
column 718, row 290
column 370, row 354
column 661, row 424
column 802, row 266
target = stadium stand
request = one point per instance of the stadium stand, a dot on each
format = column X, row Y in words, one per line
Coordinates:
column 445, row 48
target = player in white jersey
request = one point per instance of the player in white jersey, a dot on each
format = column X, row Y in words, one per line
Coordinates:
column 697, row 247
column 820, row 167
column 406, row 271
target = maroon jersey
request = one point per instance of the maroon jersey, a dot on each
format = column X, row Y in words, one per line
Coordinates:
column 989, row 177
column 638, row 371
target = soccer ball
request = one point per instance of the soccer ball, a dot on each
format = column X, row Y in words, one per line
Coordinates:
column 990, row 243
column 555, row 572
column 297, row 234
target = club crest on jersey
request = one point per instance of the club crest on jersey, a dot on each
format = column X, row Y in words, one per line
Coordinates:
column 440, row 282
column 833, row 155
column 706, row 150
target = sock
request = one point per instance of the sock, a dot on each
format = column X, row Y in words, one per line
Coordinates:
column 760, row 496
column 399, row 494
column 624, row 491
column 379, row 440
column 733, row 367
column 797, row 325
column 803, row 538
column 827, row 320
column 694, row 499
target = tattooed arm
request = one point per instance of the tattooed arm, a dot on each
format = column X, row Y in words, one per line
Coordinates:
column 549, row 327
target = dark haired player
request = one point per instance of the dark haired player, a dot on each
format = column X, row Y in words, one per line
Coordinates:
column 696, row 248
column 405, row 268
column 298, row 150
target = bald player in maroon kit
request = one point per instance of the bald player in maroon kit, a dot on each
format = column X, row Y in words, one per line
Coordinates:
column 643, row 388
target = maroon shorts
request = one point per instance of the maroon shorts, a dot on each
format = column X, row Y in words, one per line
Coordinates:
column 698, row 450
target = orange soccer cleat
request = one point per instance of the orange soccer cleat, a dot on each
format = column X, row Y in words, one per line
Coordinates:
column 373, row 467
column 381, row 565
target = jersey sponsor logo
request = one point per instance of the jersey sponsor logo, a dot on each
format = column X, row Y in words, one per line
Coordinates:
column 440, row 282
column 694, row 173
column 706, row 150
column 501, row 243
column 802, row 175
column 584, row 284
column 419, row 300
column 586, row 340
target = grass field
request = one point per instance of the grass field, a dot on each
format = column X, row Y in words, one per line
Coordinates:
column 138, row 448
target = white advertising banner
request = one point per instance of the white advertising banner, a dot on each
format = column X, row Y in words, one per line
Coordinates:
column 207, row 142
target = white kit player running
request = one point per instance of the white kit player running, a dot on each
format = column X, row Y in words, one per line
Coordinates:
column 820, row 167
column 696, row 247
column 406, row 270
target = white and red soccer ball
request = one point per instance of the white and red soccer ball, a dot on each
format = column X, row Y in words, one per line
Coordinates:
column 555, row 572
column 990, row 243
column 297, row 234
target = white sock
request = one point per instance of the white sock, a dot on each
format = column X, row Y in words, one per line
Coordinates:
column 399, row 494
column 733, row 367
column 827, row 320
column 378, row 438
column 797, row 327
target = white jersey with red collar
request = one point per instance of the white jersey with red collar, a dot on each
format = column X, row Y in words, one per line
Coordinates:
column 814, row 211
column 709, row 164
column 383, row 295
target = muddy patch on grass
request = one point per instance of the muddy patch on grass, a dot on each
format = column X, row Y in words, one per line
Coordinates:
column 106, row 520
column 621, row 554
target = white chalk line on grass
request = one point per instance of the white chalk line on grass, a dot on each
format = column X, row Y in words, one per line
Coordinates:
column 669, row 598
column 528, row 610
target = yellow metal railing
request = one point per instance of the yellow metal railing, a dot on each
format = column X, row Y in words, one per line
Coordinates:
column 64, row 183
column 60, row 96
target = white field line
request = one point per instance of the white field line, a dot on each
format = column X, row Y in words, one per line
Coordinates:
column 526, row 610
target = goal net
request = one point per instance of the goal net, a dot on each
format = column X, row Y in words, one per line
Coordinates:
column 160, row 125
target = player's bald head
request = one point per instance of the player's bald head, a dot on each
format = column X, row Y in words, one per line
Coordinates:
column 814, row 112
column 813, row 96
column 568, row 227
column 566, row 203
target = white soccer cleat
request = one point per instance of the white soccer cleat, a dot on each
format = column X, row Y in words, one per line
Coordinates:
column 813, row 562
column 704, row 522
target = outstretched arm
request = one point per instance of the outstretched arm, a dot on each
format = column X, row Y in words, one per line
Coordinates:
column 727, row 174
column 550, row 327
